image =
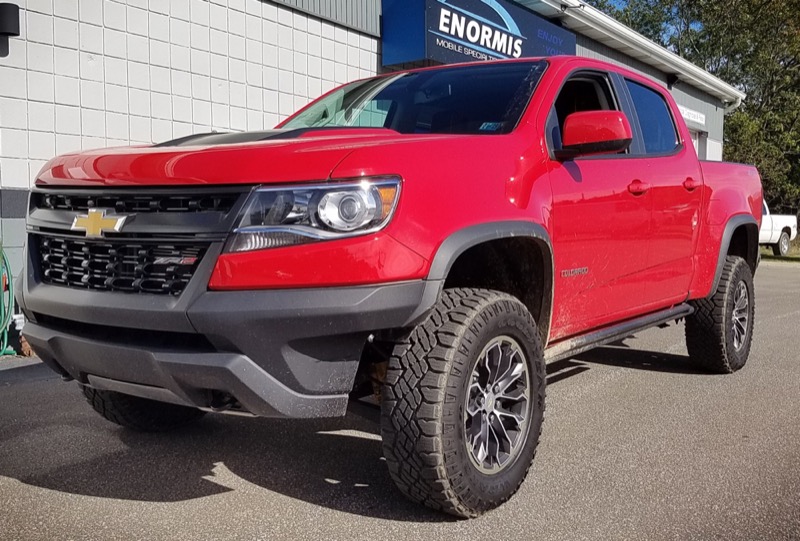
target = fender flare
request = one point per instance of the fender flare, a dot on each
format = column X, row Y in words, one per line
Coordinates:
column 733, row 224
column 464, row 239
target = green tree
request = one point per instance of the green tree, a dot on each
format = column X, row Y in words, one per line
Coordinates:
column 648, row 17
column 755, row 46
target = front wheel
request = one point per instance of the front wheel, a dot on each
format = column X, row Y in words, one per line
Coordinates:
column 782, row 247
column 720, row 332
column 463, row 403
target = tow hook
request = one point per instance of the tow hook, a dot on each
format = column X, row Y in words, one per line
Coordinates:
column 221, row 402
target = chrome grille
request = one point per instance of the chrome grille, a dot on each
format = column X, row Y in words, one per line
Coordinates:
column 124, row 265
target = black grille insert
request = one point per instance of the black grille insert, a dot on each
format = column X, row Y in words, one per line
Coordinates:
column 129, row 266
column 198, row 202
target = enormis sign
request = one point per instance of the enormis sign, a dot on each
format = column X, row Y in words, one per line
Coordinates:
column 450, row 31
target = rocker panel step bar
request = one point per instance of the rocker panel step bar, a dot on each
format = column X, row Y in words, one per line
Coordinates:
column 579, row 344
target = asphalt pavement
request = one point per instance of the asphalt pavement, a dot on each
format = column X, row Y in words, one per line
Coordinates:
column 636, row 445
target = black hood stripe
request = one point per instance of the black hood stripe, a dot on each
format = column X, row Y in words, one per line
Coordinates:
column 214, row 138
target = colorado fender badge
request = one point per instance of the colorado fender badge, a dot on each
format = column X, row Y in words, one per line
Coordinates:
column 572, row 273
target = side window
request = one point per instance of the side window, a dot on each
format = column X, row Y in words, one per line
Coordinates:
column 582, row 92
column 655, row 119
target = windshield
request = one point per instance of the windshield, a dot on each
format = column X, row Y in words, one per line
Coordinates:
column 478, row 99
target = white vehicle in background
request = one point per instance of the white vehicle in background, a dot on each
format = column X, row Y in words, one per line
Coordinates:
column 777, row 230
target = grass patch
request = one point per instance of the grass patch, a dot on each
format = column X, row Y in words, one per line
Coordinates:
column 788, row 259
column 792, row 257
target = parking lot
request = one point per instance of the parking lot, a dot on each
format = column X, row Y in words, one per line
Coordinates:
column 636, row 445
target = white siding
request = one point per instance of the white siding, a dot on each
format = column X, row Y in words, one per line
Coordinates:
column 714, row 150
column 115, row 72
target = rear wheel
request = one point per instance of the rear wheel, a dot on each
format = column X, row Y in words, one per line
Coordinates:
column 463, row 403
column 139, row 413
column 720, row 332
column 782, row 247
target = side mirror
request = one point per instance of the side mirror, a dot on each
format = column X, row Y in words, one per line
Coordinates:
column 594, row 132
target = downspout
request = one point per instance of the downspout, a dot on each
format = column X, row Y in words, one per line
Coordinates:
column 735, row 105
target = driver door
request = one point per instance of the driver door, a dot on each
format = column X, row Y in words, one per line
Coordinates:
column 601, row 223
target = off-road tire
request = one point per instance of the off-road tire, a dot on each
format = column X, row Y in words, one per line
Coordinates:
column 139, row 414
column 709, row 331
column 424, row 395
column 781, row 248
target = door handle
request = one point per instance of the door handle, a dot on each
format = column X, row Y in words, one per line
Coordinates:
column 691, row 184
column 637, row 187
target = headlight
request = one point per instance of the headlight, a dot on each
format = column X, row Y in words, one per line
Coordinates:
column 276, row 217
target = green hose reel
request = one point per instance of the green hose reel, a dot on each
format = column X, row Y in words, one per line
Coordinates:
column 6, row 301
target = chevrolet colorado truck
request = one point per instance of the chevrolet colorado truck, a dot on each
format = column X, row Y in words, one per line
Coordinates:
column 777, row 231
column 431, row 237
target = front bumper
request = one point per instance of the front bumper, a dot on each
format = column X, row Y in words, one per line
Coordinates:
column 278, row 353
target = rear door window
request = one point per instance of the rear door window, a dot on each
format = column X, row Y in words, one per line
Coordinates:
column 655, row 120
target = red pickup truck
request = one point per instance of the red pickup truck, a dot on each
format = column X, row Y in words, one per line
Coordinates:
column 433, row 236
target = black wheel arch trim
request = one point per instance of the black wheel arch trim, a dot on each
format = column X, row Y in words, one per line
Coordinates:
column 752, row 247
column 464, row 239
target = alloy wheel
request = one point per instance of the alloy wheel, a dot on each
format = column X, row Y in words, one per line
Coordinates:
column 741, row 315
column 497, row 406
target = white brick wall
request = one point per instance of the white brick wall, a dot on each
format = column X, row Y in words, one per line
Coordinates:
column 116, row 72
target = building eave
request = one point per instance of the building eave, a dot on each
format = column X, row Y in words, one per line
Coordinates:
column 593, row 23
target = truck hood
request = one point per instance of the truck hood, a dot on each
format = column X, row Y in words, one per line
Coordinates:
column 267, row 157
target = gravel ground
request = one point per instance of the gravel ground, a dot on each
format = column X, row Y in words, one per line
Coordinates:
column 637, row 445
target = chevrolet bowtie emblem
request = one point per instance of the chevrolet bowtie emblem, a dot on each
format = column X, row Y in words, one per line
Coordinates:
column 95, row 223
